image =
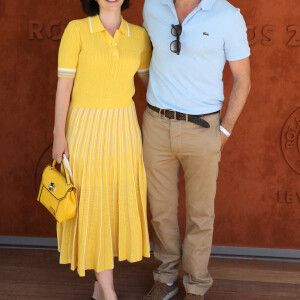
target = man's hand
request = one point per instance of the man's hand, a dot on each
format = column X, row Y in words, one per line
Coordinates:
column 224, row 139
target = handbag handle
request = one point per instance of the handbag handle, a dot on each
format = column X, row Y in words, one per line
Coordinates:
column 68, row 181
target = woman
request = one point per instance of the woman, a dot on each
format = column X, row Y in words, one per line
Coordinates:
column 98, row 58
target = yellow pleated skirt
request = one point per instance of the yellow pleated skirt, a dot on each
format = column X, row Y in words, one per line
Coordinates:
column 108, row 172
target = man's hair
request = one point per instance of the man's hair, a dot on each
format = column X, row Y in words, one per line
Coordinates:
column 91, row 7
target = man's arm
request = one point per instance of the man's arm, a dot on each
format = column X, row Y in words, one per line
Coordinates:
column 241, row 87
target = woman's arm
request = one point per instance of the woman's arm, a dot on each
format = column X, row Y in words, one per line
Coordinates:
column 143, row 71
column 63, row 95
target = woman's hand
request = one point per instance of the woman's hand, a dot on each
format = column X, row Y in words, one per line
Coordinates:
column 60, row 147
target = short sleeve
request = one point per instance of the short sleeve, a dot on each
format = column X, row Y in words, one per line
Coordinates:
column 146, row 54
column 236, row 41
column 69, row 50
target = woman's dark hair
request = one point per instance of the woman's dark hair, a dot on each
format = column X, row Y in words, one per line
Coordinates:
column 91, row 7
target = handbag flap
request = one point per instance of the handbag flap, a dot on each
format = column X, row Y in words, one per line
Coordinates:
column 55, row 182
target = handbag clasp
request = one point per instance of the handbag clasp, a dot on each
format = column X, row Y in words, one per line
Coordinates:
column 52, row 186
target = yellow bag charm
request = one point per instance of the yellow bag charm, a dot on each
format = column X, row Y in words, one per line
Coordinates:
column 57, row 193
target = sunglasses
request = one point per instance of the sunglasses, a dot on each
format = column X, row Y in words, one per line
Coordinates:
column 176, row 31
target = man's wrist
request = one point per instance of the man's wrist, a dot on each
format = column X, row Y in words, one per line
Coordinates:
column 225, row 131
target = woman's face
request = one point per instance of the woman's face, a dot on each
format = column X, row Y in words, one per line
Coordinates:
column 110, row 4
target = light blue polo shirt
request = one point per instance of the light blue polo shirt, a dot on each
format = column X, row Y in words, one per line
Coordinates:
column 192, row 82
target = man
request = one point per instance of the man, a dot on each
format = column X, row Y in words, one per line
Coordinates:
column 191, row 40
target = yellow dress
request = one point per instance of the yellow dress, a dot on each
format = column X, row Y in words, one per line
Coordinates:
column 104, row 141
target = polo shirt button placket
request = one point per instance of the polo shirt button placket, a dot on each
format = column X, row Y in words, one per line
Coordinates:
column 115, row 50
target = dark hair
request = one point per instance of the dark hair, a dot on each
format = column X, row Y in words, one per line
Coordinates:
column 91, row 7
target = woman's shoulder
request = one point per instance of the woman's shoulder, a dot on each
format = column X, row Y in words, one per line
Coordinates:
column 79, row 24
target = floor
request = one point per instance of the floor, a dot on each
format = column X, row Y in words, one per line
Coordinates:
column 36, row 274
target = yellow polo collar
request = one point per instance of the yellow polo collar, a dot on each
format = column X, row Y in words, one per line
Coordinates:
column 97, row 26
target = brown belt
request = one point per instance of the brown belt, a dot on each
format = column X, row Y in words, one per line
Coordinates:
column 171, row 114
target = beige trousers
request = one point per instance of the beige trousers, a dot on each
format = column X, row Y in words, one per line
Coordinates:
column 168, row 144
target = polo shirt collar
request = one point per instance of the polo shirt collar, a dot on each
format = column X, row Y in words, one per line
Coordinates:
column 97, row 26
column 124, row 27
column 204, row 4
column 207, row 4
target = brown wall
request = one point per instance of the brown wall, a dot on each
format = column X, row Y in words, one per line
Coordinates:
column 258, row 199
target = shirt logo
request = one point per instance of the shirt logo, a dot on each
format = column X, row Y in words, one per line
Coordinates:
column 205, row 33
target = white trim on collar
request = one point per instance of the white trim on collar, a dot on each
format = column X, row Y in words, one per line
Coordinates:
column 91, row 28
column 128, row 29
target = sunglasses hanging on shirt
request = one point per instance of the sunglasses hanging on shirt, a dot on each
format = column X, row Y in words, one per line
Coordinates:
column 176, row 31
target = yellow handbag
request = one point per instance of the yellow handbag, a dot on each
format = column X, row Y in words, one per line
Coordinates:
column 57, row 193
